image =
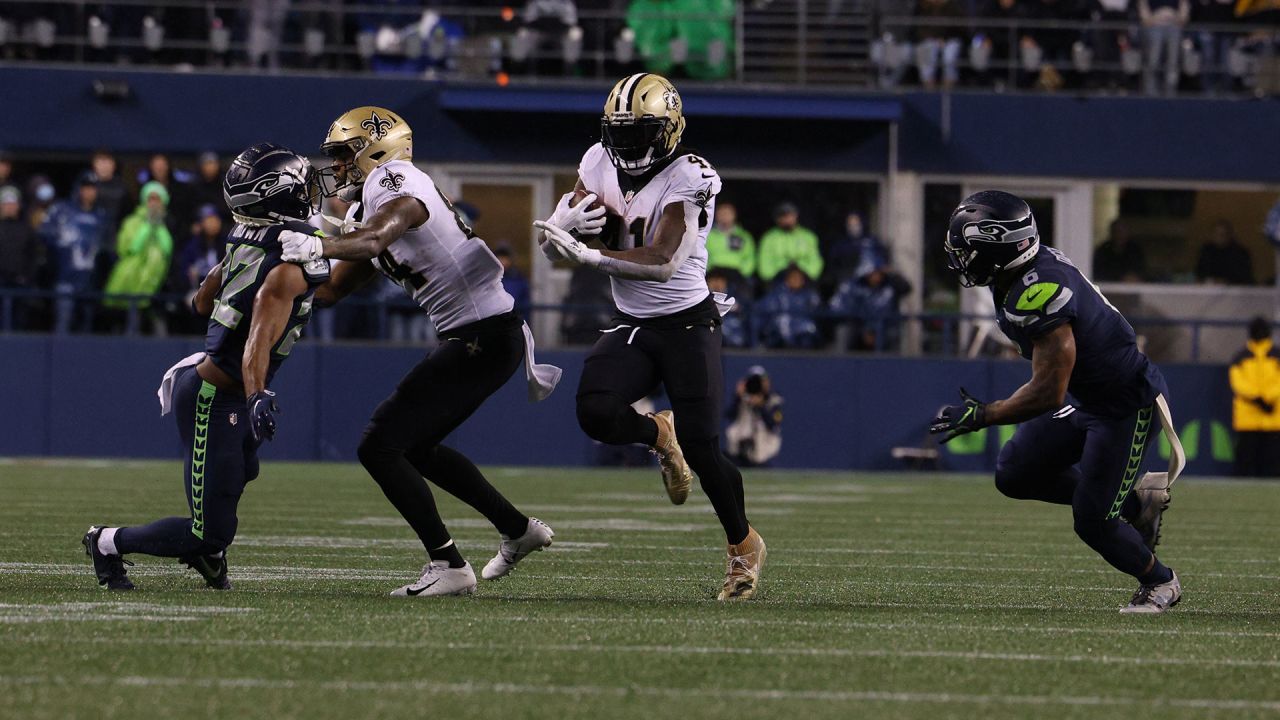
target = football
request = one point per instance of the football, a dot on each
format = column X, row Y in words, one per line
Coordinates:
column 579, row 195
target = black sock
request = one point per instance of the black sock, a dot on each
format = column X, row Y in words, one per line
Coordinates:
column 722, row 482
column 406, row 489
column 449, row 553
column 455, row 474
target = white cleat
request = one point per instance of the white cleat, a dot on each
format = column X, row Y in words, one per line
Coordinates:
column 1153, row 497
column 440, row 579
column 1154, row 599
column 536, row 537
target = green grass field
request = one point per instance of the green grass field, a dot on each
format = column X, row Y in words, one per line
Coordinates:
column 885, row 596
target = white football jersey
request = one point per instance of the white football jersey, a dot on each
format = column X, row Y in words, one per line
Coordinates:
column 443, row 266
column 689, row 179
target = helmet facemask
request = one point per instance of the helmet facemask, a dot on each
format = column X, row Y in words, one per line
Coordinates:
column 635, row 145
column 347, row 186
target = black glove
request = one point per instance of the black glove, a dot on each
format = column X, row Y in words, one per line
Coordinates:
column 262, row 421
column 1263, row 405
column 960, row 419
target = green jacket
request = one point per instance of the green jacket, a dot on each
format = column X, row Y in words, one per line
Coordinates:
column 698, row 22
column 733, row 250
column 780, row 248
column 144, row 249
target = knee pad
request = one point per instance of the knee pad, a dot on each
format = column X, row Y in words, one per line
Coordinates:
column 598, row 415
column 1009, row 481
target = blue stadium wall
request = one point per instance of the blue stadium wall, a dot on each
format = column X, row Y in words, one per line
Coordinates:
column 95, row 397
column 970, row 133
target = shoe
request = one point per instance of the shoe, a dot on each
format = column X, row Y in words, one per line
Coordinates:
column 1153, row 599
column 742, row 576
column 676, row 475
column 1153, row 496
column 440, row 579
column 109, row 568
column 212, row 569
column 536, row 537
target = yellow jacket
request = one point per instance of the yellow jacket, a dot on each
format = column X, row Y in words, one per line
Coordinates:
column 1255, row 373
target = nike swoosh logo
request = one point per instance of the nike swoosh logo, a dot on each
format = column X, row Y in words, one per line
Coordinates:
column 1032, row 297
column 422, row 589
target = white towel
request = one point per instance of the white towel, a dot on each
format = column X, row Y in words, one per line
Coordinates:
column 165, row 391
column 542, row 379
column 724, row 303
column 1177, row 456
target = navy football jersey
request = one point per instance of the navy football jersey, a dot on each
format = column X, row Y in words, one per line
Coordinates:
column 1111, row 376
column 252, row 252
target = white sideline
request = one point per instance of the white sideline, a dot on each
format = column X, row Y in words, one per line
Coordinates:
column 695, row 650
column 473, row 688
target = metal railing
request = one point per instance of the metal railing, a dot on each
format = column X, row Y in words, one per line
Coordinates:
column 943, row 334
column 849, row 44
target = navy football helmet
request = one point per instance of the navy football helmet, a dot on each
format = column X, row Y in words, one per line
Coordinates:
column 269, row 184
column 990, row 231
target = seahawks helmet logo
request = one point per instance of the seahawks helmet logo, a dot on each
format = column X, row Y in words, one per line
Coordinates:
column 377, row 126
column 392, row 181
column 996, row 231
column 263, row 187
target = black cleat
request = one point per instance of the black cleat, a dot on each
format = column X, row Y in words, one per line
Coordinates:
column 212, row 569
column 109, row 568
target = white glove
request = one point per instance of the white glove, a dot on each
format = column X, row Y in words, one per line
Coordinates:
column 300, row 247
column 579, row 219
column 567, row 245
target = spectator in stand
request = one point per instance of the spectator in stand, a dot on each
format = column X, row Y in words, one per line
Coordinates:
column 787, row 243
column 206, row 189
column 203, row 251
column 731, row 250
column 1215, row 46
column 1108, row 45
column 513, row 281
column 872, row 301
column 178, row 186
column 112, row 192
column 754, row 435
column 1223, row 260
column 789, row 312
column 1120, row 258
column 1000, row 41
column 1255, row 413
column 144, row 247
column 851, row 254
column 6, row 169
column 1053, row 43
column 74, row 233
column 1162, row 22
column 938, row 45
column 733, row 327
column 20, row 256
column 548, row 32
column 40, row 197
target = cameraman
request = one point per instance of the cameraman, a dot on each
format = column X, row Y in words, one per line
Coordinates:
column 754, row 435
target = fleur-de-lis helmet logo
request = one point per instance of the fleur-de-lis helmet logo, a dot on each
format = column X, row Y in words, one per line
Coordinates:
column 377, row 126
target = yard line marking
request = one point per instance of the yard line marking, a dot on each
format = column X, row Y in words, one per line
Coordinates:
column 473, row 688
column 699, row 650
column 22, row 613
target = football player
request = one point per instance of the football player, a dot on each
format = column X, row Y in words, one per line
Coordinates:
column 258, row 305
column 667, row 327
column 1085, row 454
column 404, row 227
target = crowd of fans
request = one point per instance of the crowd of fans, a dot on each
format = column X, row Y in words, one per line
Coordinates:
column 1156, row 46
column 1051, row 44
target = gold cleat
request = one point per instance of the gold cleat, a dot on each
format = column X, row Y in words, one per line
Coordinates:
column 676, row 475
column 746, row 560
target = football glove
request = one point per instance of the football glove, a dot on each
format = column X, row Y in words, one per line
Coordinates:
column 580, row 219
column 262, row 420
column 568, row 246
column 956, row 420
column 300, row 247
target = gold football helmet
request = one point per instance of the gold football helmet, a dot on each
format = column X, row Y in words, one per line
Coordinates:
column 360, row 140
column 642, row 123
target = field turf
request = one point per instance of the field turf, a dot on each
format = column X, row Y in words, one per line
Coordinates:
column 898, row 596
